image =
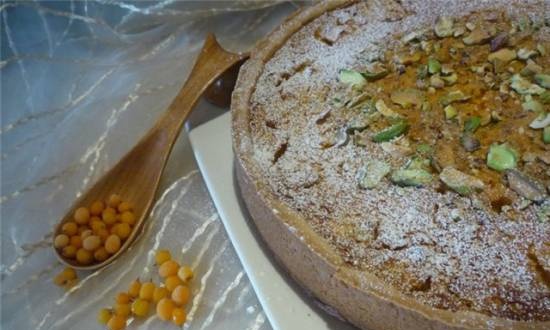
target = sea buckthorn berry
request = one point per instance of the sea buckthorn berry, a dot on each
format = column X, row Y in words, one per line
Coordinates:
column 178, row 316
column 114, row 200
column 103, row 316
column 109, row 216
column 122, row 309
column 61, row 241
column 86, row 233
column 103, row 233
column 122, row 230
column 69, row 251
column 128, row 217
column 124, row 206
column 59, row 279
column 91, row 243
column 181, row 294
column 101, row 254
column 161, row 256
column 172, row 282
column 82, row 229
column 97, row 207
column 122, row 298
column 112, row 244
column 81, row 215
column 160, row 292
column 69, row 228
column 116, row 322
column 164, row 309
column 84, row 257
column 185, row 273
column 168, row 268
column 147, row 290
column 134, row 288
column 68, row 273
column 76, row 241
column 140, row 307
column 96, row 225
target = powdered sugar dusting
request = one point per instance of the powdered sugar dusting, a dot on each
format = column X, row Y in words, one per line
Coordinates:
column 443, row 249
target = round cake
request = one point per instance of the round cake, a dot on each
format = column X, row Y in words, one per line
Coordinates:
column 395, row 157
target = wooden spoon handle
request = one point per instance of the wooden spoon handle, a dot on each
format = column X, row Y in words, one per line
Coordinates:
column 212, row 61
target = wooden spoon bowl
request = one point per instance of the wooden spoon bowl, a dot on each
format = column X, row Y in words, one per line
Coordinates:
column 137, row 175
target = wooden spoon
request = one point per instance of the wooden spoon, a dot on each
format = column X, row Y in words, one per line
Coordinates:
column 136, row 176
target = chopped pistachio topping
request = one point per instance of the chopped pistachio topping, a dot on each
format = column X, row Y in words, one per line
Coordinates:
column 407, row 59
column 542, row 121
column 545, row 97
column 411, row 177
column 391, row 132
column 436, row 81
column 386, row 111
column 472, row 124
column 424, row 149
column 524, row 186
column 372, row 173
column 530, row 69
column 469, row 142
column 444, row 27
column 422, row 72
column 532, row 105
column 501, row 157
column 454, row 96
column 542, row 80
column 479, row 35
column 546, row 135
column 523, row 86
column 460, row 182
column 450, row 112
column 505, row 55
column 524, row 54
column 434, row 66
column 375, row 71
column 352, row 78
column 450, row 79
column 407, row 97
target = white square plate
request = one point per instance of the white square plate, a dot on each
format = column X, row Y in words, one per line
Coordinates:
column 285, row 304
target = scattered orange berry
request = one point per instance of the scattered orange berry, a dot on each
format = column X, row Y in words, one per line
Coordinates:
column 116, row 322
column 181, row 294
column 160, row 292
column 101, row 254
column 128, row 217
column 109, row 216
column 76, row 241
column 146, row 291
column 122, row 298
column 168, row 268
column 164, row 309
column 178, row 316
column 134, row 288
column 162, row 256
column 122, row 230
column 185, row 273
column 140, row 307
column 69, row 251
column 172, row 282
column 103, row 316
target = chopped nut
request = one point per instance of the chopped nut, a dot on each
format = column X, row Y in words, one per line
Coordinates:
column 505, row 55
column 460, row 182
column 524, row 54
column 444, row 27
column 530, row 69
column 450, row 80
column 523, row 86
column 542, row 80
column 525, row 186
column 454, row 96
column 450, row 112
column 386, row 111
column 372, row 173
column 501, row 157
column 411, row 177
column 434, row 66
column 479, row 35
column 407, row 97
column 499, row 41
column 542, row 121
column 352, row 78
column 436, row 81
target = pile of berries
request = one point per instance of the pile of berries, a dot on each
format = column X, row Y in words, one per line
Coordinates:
column 168, row 298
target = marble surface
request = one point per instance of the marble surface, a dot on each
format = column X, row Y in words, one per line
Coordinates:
column 81, row 81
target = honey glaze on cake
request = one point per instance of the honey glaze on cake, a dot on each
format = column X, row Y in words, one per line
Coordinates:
column 413, row 140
